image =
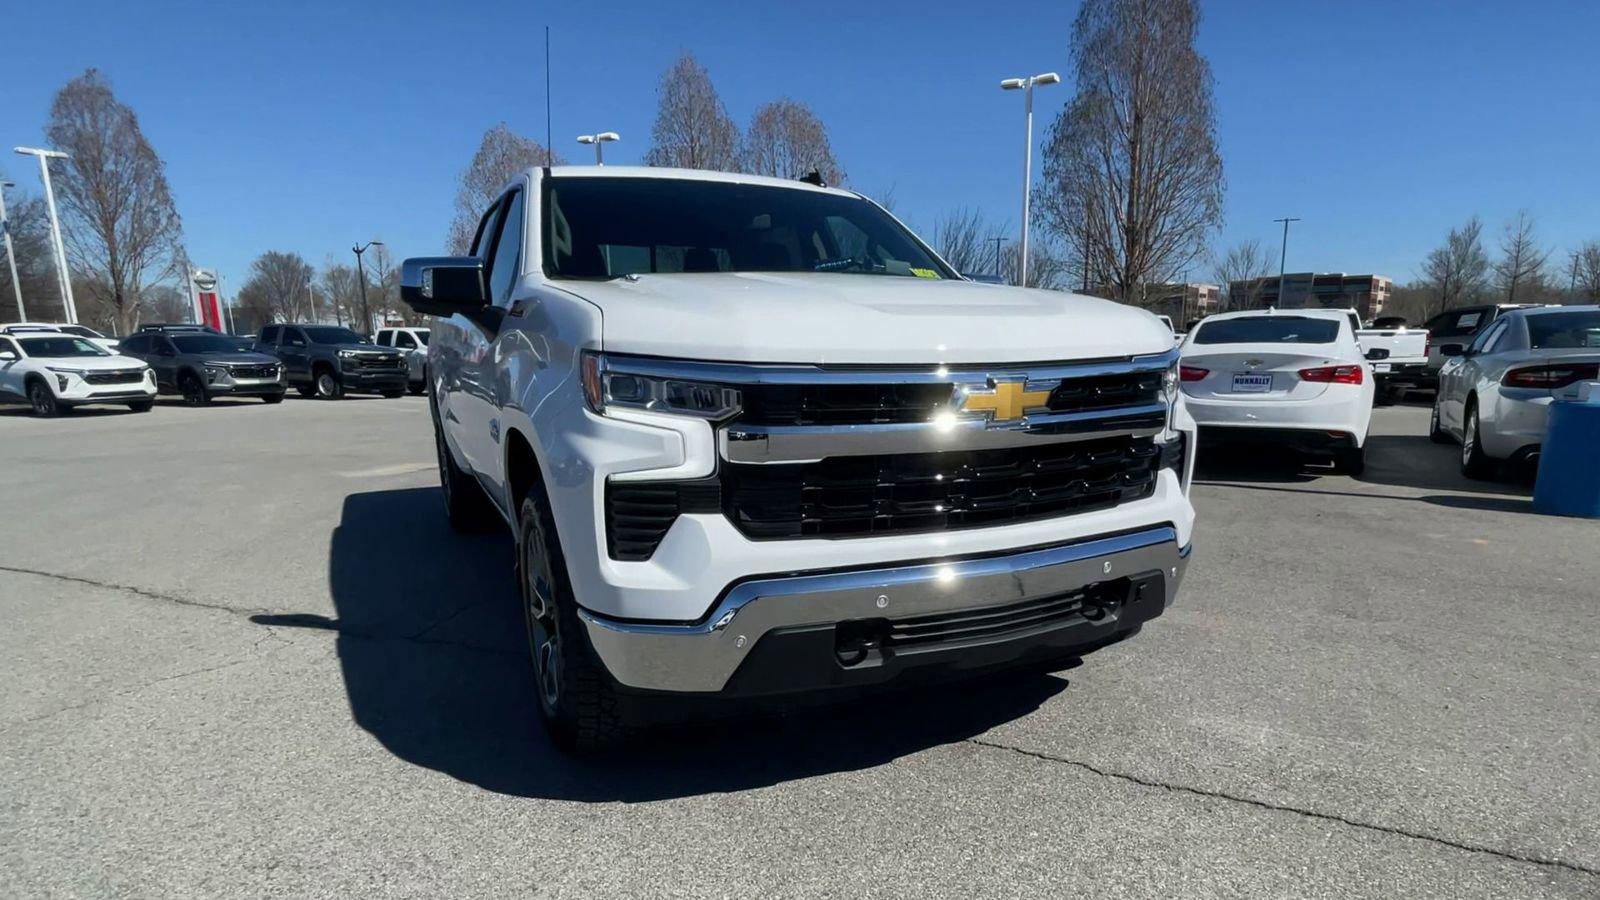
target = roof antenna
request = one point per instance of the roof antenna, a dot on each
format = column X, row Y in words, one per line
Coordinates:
column 813, row 177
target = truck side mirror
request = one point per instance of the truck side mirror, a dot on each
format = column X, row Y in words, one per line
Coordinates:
column 443, row 285
column 1452, row 350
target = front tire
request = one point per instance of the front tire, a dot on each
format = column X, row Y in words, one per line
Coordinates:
column 272, row 398
column 577, row 701
column 43, row 402
column 327, row 385
column 1475, row 464
column 392, row 395
column 141, row 406
column 194, row 393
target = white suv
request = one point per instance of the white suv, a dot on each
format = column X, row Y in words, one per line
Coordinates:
column 756, row 439
column 54, row 372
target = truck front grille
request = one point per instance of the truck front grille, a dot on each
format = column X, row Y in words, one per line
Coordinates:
column 868, row 495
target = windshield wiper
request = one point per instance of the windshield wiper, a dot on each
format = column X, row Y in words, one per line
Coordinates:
column 859, row 263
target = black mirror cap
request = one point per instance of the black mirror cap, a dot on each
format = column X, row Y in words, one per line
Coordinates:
column 443, row 285
column 1452, row 350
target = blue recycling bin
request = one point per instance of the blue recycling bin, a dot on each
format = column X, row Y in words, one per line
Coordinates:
column 1569, row 462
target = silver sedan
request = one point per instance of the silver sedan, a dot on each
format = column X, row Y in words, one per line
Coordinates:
column 1495, row 396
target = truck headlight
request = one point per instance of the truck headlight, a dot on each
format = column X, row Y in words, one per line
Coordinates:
column 347, row 354
column 638, row 388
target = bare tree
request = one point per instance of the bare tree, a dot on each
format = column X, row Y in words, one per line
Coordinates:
column 276, row 289
column 1050, row 266
column 30, row 239
column 961, row 237
column 1521, row 263
column 501, row 156
column 692, row 129
column 787, row 140
column 1244, row 262
column 383, row 285
column 1132, row 181
column 339, row 289
column 120, row 221
column 1585, row 271
column 165, row 303
column 885, row 198
column 1457, row 271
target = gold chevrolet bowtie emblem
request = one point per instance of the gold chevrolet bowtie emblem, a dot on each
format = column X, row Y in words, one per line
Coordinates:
column 1008, row 401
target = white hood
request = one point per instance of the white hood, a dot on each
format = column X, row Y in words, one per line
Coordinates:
column 860, row 319
column 90, row 363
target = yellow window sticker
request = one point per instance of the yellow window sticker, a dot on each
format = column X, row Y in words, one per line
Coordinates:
column 924, row 273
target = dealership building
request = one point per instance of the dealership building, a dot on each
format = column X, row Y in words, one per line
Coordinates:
column 1367, row 294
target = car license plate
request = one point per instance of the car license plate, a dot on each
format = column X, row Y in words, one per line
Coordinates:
column 1252, row 384
column 1382, row 367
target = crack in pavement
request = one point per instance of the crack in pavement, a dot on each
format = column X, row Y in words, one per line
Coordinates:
column 1278, row 807
column 137, row 591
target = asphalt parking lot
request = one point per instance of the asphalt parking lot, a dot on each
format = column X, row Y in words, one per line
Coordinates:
column 244, row 655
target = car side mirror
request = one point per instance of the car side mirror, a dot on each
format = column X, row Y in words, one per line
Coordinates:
column 8, row 356
column 1452, row 350
column 443, row 285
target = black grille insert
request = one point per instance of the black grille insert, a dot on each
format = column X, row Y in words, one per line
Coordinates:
column 638, row 513
column 862, row 495
column 126, row 376
column 256, row 371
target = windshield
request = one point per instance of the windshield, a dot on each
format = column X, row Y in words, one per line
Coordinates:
column 1564, row 331
column 60, row 347
column 80, row 331
column 206, row 343
column 670, row 225
column 1268, row 330
column 329, row 334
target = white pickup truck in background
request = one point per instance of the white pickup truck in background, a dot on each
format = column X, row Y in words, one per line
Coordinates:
column 1399, row 359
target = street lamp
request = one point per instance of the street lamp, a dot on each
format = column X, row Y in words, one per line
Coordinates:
column 11, row 253
column 64, row 277
column 599, row 141
column 1283, row 256
column 361, row 276
column 1026, row 86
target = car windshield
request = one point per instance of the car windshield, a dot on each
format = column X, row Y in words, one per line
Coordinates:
column 80, row 331
column 206, row 343
column 1268, row 330
column 677, row 225
column 60, row 347
column 1564, row 331
column 330, row 334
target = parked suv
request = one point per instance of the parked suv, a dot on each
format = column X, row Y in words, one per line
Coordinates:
column 55, row 373
column 756, row 439
column 329, row 361
column 201, row 365
column 413, row 342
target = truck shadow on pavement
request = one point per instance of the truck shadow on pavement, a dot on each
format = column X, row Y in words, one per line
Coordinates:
column 1407, row 461
column 431, row 646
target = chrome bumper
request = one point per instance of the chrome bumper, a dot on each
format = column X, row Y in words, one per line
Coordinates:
column 702, row 657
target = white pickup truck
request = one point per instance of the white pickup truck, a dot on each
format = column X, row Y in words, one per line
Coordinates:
column 1398, row 356
column 755, row 439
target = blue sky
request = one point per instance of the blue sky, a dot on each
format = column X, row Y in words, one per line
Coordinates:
column 306, row 126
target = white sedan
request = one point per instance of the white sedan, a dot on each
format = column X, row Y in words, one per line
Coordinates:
column 1296, row 378
column 1494, row 395
column 54, row 372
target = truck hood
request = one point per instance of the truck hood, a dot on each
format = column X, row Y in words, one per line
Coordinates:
column 860, row 319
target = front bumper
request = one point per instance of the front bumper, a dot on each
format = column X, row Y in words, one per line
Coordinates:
column 864, row 626
column 78, row 392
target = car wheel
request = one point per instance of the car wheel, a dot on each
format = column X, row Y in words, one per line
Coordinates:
column 328, row 385
column 140, row 406
column 465, row 503
column 417, row 388
column 1435, row 433
column 272, row 398
column 43, row 402
column 580, row 707
column 194, row 393
column 1475, row 463
column 1351, row 461
column 393, row 394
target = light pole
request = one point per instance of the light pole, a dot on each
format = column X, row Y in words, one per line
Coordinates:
column 997, row 239
column 65, row 277
column 11, row 254
column 1283, row 255
column 599, row 141
column 1026, row 86
column 361, row 276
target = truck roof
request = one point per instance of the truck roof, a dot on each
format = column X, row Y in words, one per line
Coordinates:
column 689, row 175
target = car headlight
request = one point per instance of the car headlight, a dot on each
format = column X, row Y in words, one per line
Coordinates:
column 215, row 372
column 605, row 387
column 65, row 370
column 347, row 354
